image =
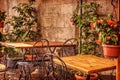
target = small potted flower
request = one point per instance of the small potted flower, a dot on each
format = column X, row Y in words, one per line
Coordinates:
column 82, row 76
column 108, row 35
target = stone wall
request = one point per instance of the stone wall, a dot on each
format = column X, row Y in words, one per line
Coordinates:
column 3, row 5
column 54, row 16
column 55, row 19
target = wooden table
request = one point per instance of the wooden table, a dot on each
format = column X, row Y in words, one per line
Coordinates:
column 30, row 44
column 88, row 63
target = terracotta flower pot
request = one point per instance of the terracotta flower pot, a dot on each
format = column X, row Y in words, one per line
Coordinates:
column 111, row 51
column 29, row 57
column 92, row 77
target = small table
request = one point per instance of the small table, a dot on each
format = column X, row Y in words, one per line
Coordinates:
column 30, row 45
column 88, row 63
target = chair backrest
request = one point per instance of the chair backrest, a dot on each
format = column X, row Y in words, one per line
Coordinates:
column 3, row 59
column 38, row 51
column 69, row 51
column 43, row 48
column 52, row 70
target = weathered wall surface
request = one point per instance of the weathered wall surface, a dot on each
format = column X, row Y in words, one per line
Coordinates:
column 54, row 16
column 55, row 19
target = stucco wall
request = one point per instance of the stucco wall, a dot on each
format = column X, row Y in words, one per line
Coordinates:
column 55, row 19
column 54, row 16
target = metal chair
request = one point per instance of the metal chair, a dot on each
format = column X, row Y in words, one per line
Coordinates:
column 36, row 58
column 38, row 52
column 69, row 51
column 51, row 70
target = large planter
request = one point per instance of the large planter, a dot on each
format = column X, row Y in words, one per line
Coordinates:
column 92, row 77
column 111, row 51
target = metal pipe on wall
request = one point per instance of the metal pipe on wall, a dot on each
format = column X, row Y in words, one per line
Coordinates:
column 80, row 30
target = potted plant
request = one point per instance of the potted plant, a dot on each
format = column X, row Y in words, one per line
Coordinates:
column 82, row 76
column 24, row 26
column 108, row 35
column 24, row 23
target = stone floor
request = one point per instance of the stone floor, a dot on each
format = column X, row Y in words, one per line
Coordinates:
column 106, row 75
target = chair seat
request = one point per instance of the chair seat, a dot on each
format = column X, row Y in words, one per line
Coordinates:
column 23, row 63
column 2, row 67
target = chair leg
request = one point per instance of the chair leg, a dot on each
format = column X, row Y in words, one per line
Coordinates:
column 4, row 76
column 20, row 76
column 88, row 77
column 25, row 72
column 28, row 74
column 26, row 77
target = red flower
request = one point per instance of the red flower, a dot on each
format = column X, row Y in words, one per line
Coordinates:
column 108, row 38
column 110, row 22
column 97, row 41
column 109, row 31
column 119, row 32
column 115, row 35
column 115, row 26
column 100, row 21
column 92, row 25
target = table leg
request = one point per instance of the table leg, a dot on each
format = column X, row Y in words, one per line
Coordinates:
column 118, row 68
column 88, row 77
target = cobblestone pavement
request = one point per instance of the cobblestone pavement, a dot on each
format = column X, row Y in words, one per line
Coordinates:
column 106, row 75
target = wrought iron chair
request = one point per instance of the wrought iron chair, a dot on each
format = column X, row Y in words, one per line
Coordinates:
column 51, row 70
column 69, row 51
column 36, row 58
column 37, row 52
